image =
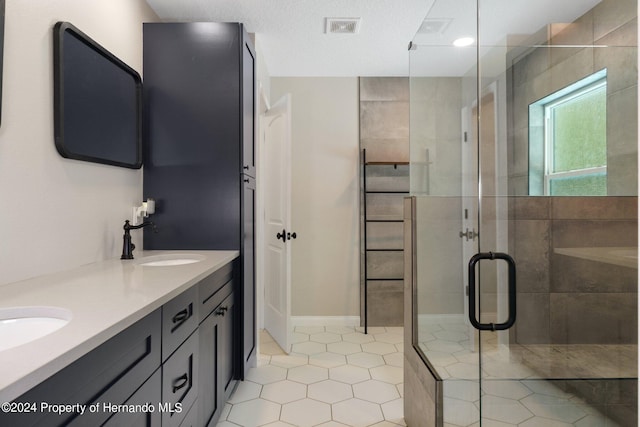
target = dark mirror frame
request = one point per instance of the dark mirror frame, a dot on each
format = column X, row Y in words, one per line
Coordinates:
column 59, row 31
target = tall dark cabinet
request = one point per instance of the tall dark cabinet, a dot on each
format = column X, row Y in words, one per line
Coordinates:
column 199, row 156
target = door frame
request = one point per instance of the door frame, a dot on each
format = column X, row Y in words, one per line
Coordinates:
column 261, row 219
column 263, row 106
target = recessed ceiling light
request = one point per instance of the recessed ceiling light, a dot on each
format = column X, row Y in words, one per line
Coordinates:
column 463, row 41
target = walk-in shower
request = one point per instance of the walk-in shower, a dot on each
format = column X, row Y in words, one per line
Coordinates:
column 524, row 148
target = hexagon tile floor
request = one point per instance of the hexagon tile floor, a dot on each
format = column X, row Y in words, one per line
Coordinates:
column 338, row 376
column 334, row 377
column 515, row 385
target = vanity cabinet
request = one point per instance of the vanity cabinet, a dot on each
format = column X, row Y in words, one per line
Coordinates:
column 149, row 392
column 180, row 356
column 180, row 360
column 199, row 151
column 217, row 346
column 180, row 373
column 248, row 289
column 191, row 419
column 179, row 320
column 110, row 374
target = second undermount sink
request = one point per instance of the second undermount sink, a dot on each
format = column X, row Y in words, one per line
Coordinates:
column 20, row 325
column 169, row 260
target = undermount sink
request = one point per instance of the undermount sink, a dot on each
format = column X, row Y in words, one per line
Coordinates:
column 20, row 325
column 169, row 260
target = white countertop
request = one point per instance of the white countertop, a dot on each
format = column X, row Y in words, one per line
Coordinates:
column 104, row 299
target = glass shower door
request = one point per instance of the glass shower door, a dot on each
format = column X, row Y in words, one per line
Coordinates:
column 444, row 184
column 555, row 197
column 524, row 177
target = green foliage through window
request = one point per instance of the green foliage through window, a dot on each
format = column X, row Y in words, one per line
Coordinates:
column 573, row 140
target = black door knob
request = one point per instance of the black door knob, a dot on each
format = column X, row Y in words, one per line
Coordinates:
column 282, row 236
column 291, row 235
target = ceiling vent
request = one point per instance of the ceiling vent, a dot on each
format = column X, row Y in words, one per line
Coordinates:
column 342, row 25
column 434, row 26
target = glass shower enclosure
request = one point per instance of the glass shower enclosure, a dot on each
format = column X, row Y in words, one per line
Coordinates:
column 522, row 221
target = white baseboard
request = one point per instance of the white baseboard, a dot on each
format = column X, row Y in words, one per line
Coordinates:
column 325, row 321
column 453, row 318
column 440, row 318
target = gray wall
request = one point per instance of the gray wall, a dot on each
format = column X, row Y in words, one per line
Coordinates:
column 324, row 199
column 440, row 288
column 436, row 126
column 561, row 298
column 541, row 71
column 435, row 120
column 564, row 299
column 384, row 118
column 384, row 133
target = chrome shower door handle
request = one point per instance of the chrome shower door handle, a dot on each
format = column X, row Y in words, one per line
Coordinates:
column 472, row 291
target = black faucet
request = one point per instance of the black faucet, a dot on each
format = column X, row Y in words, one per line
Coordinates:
column 127, row 246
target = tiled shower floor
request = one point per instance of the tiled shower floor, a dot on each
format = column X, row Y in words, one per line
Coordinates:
column 514, row 385
column 334, row 377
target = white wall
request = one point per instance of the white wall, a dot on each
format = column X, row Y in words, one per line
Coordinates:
column 262, row 72
column 56, row 213
column 325, row 212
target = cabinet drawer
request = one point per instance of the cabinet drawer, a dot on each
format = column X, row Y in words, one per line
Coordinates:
column 179, row 320
column 149, row 394
column 110, row 373
column 180, row 381
column 214, row 289
column 191, row 419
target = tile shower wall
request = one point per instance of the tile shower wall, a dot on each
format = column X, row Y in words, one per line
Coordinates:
column 384, row 118
column 436, row 132
column 564, row 299
column 384, row 133
column 544, row 70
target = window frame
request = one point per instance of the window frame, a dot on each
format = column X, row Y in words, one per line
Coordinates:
column 585, row 86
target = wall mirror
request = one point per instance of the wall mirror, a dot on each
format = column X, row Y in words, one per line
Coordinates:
column 97, row 102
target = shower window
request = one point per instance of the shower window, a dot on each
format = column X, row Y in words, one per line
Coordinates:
column 571, row 142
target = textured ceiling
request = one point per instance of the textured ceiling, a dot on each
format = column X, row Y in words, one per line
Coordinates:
column 503, row 25
column 292, row 35
column 293, row 41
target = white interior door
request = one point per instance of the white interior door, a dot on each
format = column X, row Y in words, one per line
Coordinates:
column 277, row 204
